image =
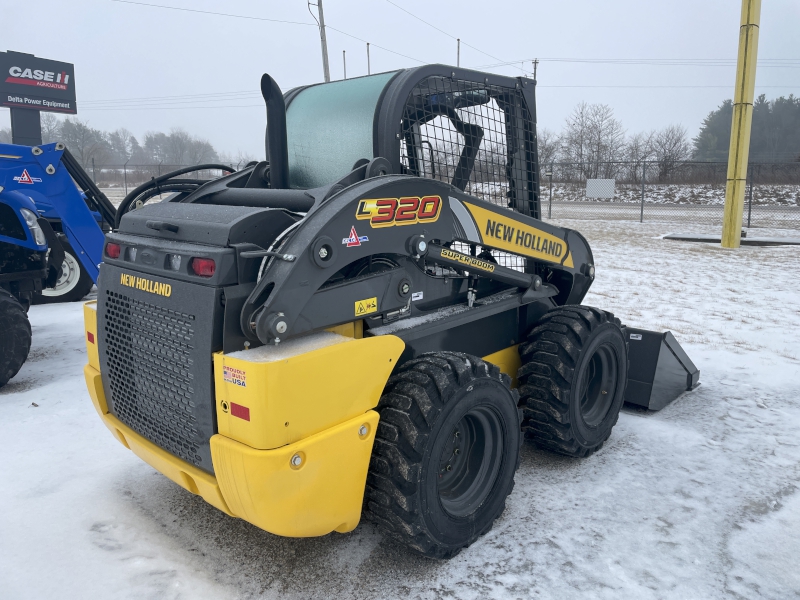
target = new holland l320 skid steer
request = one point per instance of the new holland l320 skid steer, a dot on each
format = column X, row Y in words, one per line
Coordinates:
column 369, row 321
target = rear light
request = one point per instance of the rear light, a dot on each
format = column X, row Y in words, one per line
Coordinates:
column 174, row 262
column 112, row 250
column 204, row 267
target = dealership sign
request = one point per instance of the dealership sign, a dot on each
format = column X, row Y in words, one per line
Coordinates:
column 36, row 83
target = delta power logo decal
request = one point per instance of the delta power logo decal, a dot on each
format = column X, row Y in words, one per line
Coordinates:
column 354, row 239
column 26, row 178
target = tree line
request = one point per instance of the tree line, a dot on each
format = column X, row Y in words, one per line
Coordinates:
column 595, row 138
column 775, row 136
column 120, row 146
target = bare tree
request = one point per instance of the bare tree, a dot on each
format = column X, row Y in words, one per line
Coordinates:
column 638, row 149
column 51, row 127
column 549, row 145
column 575, row 137
column 201, row 151
column 122, row 144
column 178, row 144
column 670, row 148
column 84, row 142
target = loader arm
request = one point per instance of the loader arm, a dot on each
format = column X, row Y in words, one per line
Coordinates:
column 52, row 173
column 389, row 215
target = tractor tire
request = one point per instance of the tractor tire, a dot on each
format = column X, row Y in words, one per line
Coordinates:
column 15, row 343
column 572, row 379
column 73, row 284
column 445, row 453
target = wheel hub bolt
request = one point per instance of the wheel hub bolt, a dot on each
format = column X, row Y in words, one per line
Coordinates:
column 456, row 451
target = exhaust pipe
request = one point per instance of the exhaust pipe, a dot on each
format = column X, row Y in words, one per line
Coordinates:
column 277, row 146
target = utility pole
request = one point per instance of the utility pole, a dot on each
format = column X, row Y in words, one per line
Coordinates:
column 739, row 152
column 323, row 39
column 535, row 65
column 369, row 72
column 458, row 52
column 344, row 62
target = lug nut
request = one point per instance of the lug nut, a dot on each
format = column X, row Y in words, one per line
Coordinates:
column 297, row 460
column 323, row 252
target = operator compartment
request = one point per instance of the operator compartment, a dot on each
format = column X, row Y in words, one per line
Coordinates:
column 171, row 287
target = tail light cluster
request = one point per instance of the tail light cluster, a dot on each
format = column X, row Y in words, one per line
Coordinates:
column 202, row 267
column 112, row 250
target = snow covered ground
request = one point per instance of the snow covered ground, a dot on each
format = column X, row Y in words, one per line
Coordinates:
column 700, row 500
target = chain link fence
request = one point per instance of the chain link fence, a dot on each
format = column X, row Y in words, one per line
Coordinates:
column 681, row 192
column 127, row 177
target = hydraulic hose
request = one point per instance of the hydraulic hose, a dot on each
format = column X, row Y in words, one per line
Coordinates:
column 159, row 185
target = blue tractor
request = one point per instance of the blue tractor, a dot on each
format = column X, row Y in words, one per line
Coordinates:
column 77, row 211
column 30, row 260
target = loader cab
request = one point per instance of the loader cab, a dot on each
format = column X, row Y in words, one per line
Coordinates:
column 462, row 127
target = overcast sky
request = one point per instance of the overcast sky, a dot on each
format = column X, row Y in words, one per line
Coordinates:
column 129, row 57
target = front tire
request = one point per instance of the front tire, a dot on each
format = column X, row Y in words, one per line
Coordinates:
column 73, row 284
column 15, row 342
column 572, row 380
column 445, row 453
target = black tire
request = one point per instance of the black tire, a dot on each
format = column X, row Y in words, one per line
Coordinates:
column 15, row 343
column 73, row 284
column 443, row 409
column 572, row 380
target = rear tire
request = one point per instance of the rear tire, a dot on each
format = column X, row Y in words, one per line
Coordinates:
column 73, row 284
column 15, row 341
column 445, row 453
column 572, row 380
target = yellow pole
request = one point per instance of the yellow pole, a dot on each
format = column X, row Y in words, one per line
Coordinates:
column 739, row 152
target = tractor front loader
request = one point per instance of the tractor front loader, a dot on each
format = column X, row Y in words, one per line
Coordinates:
column 369, row 321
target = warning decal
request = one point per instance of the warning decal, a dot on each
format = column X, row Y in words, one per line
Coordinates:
column 366, row 306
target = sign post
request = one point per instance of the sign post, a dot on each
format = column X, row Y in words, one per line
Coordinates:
column 30, row 85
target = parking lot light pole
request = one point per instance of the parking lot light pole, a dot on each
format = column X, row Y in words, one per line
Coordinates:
column 739, row 152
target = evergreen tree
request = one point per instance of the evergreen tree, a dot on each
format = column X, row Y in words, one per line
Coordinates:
column 775, row 135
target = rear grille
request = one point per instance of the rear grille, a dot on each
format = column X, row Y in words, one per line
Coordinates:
column 151, row 372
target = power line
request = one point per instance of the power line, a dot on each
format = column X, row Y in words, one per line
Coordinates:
column 248, row 17
column 127, row 108
column 700, row 62
column 219, row 14
column 441, row 30
column 131, row 104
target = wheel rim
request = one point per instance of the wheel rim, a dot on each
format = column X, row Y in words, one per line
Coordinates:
column 599, row 385
column 470, row 461
column 70, row 275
